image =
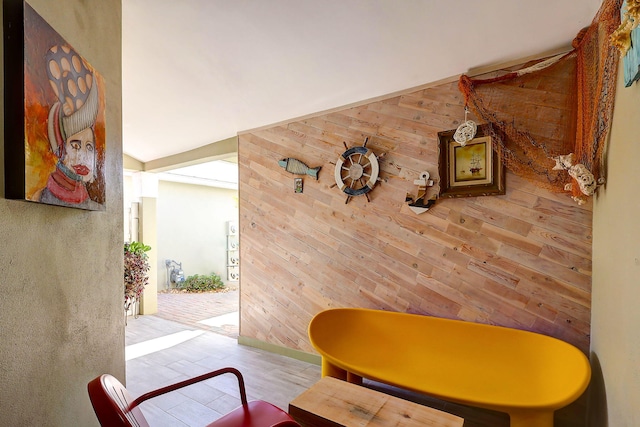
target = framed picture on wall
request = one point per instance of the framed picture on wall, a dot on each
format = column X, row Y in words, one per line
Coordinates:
column 474, row 169
column 54, row 116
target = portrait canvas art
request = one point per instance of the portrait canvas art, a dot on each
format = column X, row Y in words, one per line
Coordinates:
column 55, row 129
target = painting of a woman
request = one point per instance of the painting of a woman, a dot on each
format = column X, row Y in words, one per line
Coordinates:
column 64, row 121
column 70, row 130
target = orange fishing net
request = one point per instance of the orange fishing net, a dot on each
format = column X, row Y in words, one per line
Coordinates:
column 554, row 107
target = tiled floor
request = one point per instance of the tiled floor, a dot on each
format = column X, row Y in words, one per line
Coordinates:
column 196, row 333
column 160, row 352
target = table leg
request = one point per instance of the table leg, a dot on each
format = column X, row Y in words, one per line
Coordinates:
column 331, row 370
column 531, row 418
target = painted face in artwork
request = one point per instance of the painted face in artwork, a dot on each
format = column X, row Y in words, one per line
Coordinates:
column 79, row 154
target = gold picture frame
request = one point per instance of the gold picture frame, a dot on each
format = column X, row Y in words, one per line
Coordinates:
column 473, row 170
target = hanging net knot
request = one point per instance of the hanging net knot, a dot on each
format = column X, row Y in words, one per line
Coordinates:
column 466, row 131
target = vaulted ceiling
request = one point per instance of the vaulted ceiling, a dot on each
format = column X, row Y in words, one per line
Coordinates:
column 199, row 71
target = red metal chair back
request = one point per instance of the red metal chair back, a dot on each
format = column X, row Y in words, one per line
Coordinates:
column 111, row 402
column 115, row 407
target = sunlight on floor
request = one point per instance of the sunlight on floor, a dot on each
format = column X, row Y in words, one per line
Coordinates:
column 225, row 319
column 151, row 346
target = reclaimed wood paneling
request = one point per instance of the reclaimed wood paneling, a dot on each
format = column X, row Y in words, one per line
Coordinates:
column 521, row 260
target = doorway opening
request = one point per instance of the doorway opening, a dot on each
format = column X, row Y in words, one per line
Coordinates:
column 191, row 218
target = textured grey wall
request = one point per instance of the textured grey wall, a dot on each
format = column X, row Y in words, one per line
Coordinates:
column 61, row 318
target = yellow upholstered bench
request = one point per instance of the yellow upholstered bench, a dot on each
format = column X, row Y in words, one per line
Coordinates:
column 527, row 375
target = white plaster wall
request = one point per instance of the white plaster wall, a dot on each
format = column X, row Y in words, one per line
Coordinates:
column 615, row 316
column 191, row 221
column 61, row 317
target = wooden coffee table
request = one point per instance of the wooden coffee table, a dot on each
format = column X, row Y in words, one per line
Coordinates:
column 336, row 403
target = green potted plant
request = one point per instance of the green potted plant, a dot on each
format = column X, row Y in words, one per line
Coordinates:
column 136, row 266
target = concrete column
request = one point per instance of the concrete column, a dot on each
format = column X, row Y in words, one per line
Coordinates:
column 148, row 236
column 146, row 187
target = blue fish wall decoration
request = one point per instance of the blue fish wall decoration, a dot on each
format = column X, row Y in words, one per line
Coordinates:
column 296, row 167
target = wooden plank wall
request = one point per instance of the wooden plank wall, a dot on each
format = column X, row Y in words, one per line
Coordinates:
column 521, row 260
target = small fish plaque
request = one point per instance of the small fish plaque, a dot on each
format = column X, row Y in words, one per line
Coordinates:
column 296, row 167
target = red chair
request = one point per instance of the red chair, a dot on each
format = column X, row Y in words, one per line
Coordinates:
column 115, row 407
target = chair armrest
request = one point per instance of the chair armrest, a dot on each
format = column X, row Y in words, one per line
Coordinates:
column 181, row 384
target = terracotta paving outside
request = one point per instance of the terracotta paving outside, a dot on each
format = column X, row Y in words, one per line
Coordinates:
column 212, row 311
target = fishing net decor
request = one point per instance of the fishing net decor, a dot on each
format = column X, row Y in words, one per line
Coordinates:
column 550, row 119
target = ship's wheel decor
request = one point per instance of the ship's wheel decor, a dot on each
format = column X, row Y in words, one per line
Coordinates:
column 356, row 171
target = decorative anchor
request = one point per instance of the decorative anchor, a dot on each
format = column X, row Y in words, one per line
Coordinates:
column 420, row 205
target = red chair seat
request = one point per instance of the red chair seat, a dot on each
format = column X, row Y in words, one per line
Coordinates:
column 255, row 415
column 115, row 407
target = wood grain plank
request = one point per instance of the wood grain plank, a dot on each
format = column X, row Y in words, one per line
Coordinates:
column 520, row 260
column 332, row 403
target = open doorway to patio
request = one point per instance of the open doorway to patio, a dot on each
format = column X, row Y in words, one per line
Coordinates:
column 196, row 236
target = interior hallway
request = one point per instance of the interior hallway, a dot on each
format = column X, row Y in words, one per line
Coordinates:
column 195, row 333
column 160, row 352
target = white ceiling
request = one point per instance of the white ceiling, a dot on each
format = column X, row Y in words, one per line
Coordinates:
column 200, row 71
column 218, row 173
